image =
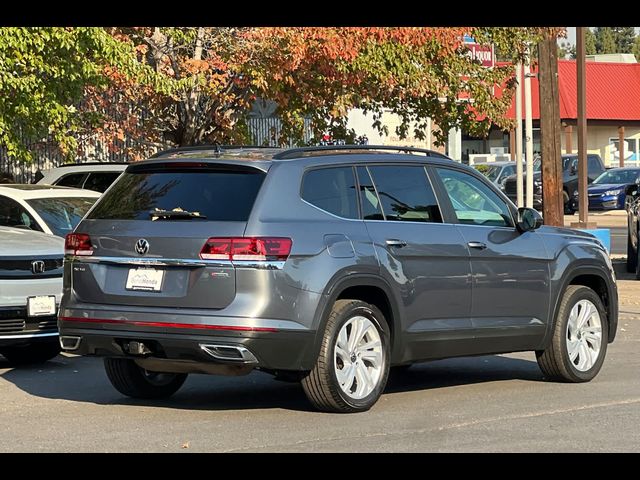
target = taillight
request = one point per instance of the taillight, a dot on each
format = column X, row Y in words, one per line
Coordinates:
column 246, row 248
column 78, row 244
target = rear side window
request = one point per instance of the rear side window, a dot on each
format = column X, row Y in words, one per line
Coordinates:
column 405, row 194
column 219, row 194
column 100, row 181
column 371, row 208
column 72, row 180
column 593, row 164
column 332, row 190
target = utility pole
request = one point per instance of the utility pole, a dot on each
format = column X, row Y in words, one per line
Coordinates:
column 552, row 203
column 583, row 203
column 519, row 173
column 528, row 126
column 621, row 145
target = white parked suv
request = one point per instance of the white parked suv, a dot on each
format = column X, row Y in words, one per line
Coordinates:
column 30, row 291
column 91, row 176
column 53, row 210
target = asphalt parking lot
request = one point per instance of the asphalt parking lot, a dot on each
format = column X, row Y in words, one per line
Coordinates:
column 488, row 404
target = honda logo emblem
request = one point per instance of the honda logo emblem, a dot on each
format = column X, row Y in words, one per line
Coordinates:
column 142, row 246
column 37, row 266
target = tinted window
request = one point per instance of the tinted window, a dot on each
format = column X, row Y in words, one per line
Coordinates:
column 618, row 176
column 219, row 194
column 405, row 194
column 371, row 208
column 100, row 181
column 333, row 190
column 61, row 214
column 12, row 214
column 71, row 180
column 474, row 202
column 593, row 164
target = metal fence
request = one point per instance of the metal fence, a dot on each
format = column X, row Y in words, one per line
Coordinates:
column 263, row 131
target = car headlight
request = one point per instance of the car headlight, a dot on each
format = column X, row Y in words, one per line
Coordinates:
column 575, row 193
column 613, row 192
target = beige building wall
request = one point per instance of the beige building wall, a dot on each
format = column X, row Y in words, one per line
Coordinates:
column 362, row 124
column 598, row 141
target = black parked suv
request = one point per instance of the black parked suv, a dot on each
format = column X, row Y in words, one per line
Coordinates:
column 595, row 167
column 326, row 265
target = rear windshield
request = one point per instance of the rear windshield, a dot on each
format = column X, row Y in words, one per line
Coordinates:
column 217, row 194
column 61, row 214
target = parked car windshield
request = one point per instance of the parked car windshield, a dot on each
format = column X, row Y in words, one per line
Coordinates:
column 618, row 176
column 489, row 171
column 61, row 214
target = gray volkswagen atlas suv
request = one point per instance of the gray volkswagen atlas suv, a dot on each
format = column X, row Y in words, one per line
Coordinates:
column 326, row 265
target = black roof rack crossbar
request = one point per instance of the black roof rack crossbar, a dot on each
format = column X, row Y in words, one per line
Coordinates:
column 298, row 152
column 195, row 148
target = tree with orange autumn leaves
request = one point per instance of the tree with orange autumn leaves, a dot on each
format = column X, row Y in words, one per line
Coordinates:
column 204, row 81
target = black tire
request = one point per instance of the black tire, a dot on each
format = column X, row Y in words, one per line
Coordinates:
column 554, row 361
column 567, row 208
column 31, row 354
column 134, row 381
column 321, row 384
column 632, row 256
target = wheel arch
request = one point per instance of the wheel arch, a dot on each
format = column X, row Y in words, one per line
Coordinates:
column 596, row 279
column 369, row 288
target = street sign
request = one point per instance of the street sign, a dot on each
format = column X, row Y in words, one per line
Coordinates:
column 483, row 53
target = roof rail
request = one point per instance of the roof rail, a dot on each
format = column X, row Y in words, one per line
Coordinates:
column 91, row 163
column 299, row 152
column 194, row 148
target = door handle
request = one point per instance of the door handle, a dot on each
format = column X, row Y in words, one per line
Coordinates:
column 477, row 245
column 394, row 242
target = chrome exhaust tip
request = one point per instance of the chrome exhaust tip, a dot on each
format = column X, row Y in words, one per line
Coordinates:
column 229, row 353
column 68, row 342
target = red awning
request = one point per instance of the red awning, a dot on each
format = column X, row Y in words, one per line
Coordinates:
column 613, row 91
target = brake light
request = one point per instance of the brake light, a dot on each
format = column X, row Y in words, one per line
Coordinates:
column 78, row 244
column 246, row 248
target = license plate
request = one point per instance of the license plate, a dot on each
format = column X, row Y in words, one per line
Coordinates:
column 40, row 306
column 148, row 279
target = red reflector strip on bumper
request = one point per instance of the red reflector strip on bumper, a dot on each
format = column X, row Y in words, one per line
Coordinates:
column 235, row 328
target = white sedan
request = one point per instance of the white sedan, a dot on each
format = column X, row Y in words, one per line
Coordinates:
column 43, row 208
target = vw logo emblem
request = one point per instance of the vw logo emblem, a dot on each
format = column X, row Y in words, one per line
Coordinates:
column 37, row 266
column 142, row 246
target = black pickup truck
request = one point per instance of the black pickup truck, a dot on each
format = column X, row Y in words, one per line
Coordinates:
column 595, row 167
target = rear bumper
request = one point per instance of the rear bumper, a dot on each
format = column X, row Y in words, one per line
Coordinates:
column 179, row 343
column 16, row 328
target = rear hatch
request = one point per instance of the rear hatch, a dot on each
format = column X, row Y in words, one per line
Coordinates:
column 146, row 233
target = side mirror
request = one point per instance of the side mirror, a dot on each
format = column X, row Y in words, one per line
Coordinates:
column 528, row 219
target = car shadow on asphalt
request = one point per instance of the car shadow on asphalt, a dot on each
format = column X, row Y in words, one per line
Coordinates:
column 82, row 379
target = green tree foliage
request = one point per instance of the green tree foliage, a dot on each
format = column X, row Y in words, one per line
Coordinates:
column 589, row 42
column 624, row 37
column 43, row 75
column 605, row 40
column 566, row 50
column 636, row 48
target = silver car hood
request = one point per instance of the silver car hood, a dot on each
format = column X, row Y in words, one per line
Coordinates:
column 20, row 242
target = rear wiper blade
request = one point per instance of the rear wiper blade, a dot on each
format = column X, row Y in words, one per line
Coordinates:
column 177, row 213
